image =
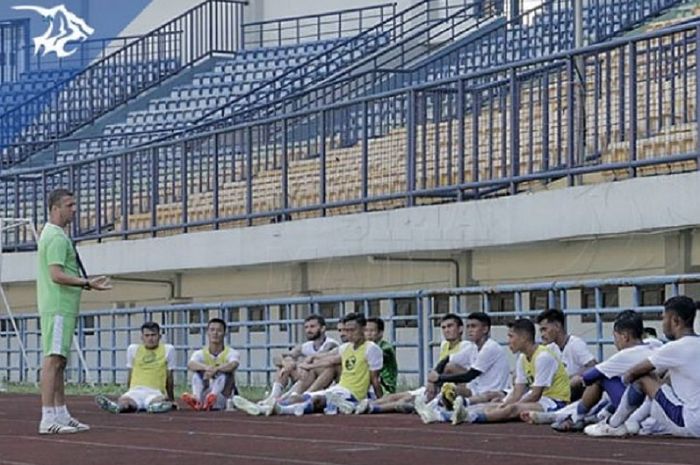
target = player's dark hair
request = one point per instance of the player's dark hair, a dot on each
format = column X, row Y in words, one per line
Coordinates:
column 151, row 326
column 452, row 316
column 358, row 318
column 523, row 326
column 217, row 321
column 318, row 318
column 684, row 307
column 553, row 315
column 630, row 322
column 480, row 316
column 377, row 321
column 651, row 332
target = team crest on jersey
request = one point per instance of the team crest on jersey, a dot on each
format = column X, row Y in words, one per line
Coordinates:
column 350, row 363
column 64, row 27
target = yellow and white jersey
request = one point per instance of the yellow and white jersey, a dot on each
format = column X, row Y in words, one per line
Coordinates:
column 544, row 370
column 149, row 367
column 447, row 350
column 356, row 365
column 224, row 357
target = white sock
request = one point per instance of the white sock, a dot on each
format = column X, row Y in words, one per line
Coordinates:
column 48, row 414
column 62, row 412
column 276, row 390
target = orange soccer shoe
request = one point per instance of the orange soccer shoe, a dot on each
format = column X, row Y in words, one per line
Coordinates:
column 190, row 400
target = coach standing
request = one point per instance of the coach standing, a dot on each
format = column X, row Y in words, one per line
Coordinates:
column 59, row 285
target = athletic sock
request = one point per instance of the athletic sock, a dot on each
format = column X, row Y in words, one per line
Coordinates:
column 48, row 414
column 276, row 390
column 291, row 409
column 580, row 413
column 631, row 399
column 62, row 412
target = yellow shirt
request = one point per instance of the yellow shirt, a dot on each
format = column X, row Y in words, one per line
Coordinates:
column 149, row 368
column 355, row 374
column 559, row 388
column 446, row 351
column 220, row 359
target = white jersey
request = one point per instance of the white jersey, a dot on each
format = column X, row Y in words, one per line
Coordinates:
column 462, row 355
column 169, row 355
column 308, row 349
column 575, row 354
column 625, row 359
column 680, row 360
column 492, row 361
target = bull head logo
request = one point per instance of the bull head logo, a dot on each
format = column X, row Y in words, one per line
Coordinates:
column 64, row 27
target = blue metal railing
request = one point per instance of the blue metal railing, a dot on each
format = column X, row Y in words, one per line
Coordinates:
column 261, row 328
column 399, row 148
column 317, row 27
column 211, row 27
column 14, row 40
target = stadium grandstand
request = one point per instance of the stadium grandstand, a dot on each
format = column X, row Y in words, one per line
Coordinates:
column 260, row 161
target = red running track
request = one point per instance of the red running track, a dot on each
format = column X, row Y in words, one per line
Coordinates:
column 193, row 438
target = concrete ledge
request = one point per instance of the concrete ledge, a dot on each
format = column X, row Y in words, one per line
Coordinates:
column 635, row 205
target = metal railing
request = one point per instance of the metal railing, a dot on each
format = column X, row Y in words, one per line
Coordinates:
column 261, row 328
column 500, row 131
column 316, row 27
column 14, row 54
column 211, row 27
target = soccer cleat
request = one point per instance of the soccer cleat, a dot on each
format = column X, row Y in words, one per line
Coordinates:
column 267, row 407
column 568, row 425
column 633, row 427
column 448, row 392
column 160, row 407
column 191, row 401
column 345, row 406
column 603, row 429
column 105, row 404
column 46, row 427
column 209, row 401
column 73, row 423
column 426, row 412
column 363, row 407
column 459, row 413
column 247, row 406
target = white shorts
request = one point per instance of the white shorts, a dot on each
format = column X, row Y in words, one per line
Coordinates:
column 668, row 415
column 336, row 388
column 418, row 392
column 550, row 405
column 143, row 396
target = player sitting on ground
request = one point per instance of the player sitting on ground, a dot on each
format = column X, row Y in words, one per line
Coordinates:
column 374, row 331
column 605, row 377
column 288, row 364
column 214, row 370
column 361, row 363
column 488, row 376
column 572, row 350
column 452, row 328
column 541, row 382
column 669, row 408
column 150, row 378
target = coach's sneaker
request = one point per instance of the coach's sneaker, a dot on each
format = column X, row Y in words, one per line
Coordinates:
column 459, row 412
column 603, row 428
column 247, row 406
column 160, row 407
column 46, row 427
column 107, row 405
column 345, row 406
column 362, row 407
column 191, row 401
column 73, row 423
